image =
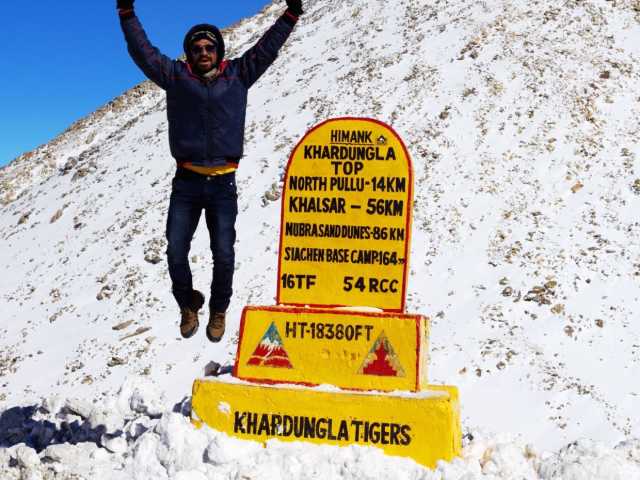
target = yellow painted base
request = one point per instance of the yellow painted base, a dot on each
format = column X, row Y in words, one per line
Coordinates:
column 346, row 348
column 424, row 426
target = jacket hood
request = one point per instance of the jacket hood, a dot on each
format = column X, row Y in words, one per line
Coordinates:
column 220, row 50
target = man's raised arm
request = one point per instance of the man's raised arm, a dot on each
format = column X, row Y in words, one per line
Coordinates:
column 255, row 61
column 156, row 66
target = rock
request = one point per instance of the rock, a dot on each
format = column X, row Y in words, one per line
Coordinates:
column 577, row 187
column 537, row 290
column 106, row 420
column 152, row 258
column 271, row 196
column 27, row 457
column 23, row 219
column 138, row 331
column 105, row 292
column 5, row 457
column 211, row 369
column 91, row 137
column 116, row 361
column 55, row 295
column 154, row 250
column 507, row 292
column 114, row 443
column 122, row 326
column 53, row 404
column 541, row 294
column 79, row 407
column 69, row 165
column 183, row 407
column 135, row 428
column 56, row 216
column 69, row 454
column 140, row 395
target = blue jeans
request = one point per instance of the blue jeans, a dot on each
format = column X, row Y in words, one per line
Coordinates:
column 217, row 196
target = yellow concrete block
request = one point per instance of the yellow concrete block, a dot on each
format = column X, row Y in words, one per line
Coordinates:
column 348, row 349
column 423, row 426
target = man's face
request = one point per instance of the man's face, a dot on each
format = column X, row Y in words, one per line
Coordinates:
column 204, row 55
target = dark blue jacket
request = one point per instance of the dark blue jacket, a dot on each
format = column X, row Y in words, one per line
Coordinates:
column 206, row 118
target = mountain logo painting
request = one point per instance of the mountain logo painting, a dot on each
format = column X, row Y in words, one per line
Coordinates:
column 382, row 360
column 270, row 351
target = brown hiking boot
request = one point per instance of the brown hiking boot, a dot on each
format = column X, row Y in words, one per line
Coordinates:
column 189, row 322
column 189, row 316
column 215, row 329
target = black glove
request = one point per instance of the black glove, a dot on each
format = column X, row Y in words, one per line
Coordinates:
column 125, row 4
column 294, row 6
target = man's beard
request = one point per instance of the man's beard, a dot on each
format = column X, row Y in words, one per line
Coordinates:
column 211, row 73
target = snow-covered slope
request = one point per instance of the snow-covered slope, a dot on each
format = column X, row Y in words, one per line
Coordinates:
column 521, row 119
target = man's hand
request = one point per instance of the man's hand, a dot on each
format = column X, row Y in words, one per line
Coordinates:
column 294, row 6
column 125, row 4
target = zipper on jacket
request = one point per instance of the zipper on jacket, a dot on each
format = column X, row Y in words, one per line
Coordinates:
column 207, row 85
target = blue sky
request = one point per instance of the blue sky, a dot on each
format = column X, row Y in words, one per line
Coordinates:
column 63, row 60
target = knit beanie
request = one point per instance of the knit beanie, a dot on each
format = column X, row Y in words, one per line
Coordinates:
column 208, row 32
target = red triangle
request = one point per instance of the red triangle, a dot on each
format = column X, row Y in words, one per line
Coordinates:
column 382, row 360
column 270, row 351
column 380, row 366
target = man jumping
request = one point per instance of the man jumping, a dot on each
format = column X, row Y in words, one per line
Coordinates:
column 206, row 109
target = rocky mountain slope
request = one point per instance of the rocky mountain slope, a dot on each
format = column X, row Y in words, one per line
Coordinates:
column 521, row 120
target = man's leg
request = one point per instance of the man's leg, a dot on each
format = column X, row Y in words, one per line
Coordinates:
column 221, row 211
column 185, row 208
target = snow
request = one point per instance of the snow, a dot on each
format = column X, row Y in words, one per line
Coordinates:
column 521, row 121
column 169, row 447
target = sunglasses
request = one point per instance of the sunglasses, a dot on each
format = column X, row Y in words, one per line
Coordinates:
column 196, row 49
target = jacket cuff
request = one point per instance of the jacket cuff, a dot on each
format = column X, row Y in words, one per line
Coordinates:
column 126, row 13
column 290, row 17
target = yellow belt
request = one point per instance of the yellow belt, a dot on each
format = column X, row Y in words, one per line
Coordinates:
column 219, row 170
